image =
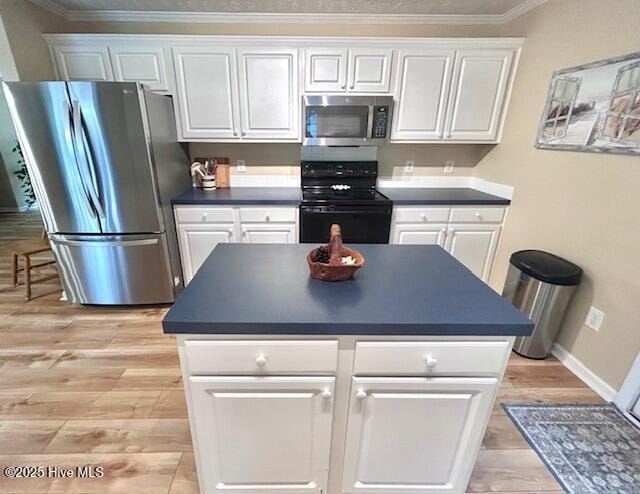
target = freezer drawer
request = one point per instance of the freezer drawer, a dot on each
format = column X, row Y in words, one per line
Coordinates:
column 114, row 269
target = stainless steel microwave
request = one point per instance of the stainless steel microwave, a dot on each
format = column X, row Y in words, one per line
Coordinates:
column 338, row 120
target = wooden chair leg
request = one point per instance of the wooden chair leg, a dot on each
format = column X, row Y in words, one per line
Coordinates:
column 15, row 270
column 27, row 276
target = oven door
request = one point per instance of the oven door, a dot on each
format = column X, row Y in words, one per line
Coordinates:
column 359, row 224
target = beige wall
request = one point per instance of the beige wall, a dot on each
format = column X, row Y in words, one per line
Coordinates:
column 25, row 23
column 582, row 206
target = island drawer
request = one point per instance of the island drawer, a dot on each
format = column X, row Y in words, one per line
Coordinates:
column 187, row 214
column 421, row 215
column 261, row 357
column 477, row 215
column 437, row 358
column 259, row 215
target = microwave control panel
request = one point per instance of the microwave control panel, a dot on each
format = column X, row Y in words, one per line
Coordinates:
column 380, row 122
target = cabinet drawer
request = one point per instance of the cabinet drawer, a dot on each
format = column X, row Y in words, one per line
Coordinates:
column 264, row 215
column 477, row 215
column 204, row 215
column 421, row 215
column 260, row 357
column 437, row 358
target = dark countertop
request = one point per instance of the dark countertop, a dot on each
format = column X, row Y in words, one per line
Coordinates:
column 293, row 196
column 401, row 290
column 241, row 195
column 440, row 196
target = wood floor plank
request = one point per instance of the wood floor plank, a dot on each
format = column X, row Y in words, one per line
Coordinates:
column 122, row 436
column 34, row 379
column 27, row 436
column 503, row 434
column 552, row 376
column 186, row 478
column 130, row 359
column 170, row 404
column 150, row 379
column 511, row 471
column 139, row 473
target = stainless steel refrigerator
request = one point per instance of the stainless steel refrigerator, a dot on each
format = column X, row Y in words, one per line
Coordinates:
column 104, row 161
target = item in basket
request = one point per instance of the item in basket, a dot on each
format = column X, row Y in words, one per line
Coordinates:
column 348, row 261
column 323, row 255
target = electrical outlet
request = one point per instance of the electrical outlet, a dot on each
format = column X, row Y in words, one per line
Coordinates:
column 240, row 166
column 594, row 318
column 408, row 166
column 449, row 166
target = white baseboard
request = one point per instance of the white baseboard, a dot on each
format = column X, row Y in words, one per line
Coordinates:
column 586, row 375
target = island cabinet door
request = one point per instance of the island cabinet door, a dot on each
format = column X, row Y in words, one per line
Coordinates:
column 418, row 435
column 262, row 434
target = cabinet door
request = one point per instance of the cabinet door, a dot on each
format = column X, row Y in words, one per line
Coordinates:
column 326, row 70
column 262, row 434
column 274, row 233
column 477, row 98
column 418, row 435
column 419, row 234
column 83, row 63
column 197, row 241
column 269, row 95
column 369, row 70
column 207, row 92
column 474, row 246
column 423, row 82
column 145, row 64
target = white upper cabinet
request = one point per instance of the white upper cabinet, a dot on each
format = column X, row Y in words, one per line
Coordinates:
column 262, row 434
column 207, row 94
column 370, row 70
column 414, row 435
column 326, row 70
column 269, row 95
column 423, row 82
column 480, row 84
column 358, row 70
column 82, row 63
column 145, row 64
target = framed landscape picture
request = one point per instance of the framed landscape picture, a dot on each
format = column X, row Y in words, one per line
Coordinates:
column 594, row 108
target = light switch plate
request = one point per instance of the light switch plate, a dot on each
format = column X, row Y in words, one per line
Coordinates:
column 449, row 166
column 240, row 166
column 594, row 318
column 408, row 166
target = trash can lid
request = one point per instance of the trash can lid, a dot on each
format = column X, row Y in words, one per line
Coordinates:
column 547, row 267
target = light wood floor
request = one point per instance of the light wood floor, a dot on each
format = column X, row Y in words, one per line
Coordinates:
column 97, row 386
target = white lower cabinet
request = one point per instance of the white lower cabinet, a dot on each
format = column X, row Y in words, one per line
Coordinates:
column 339, row 414
column 269, row 233
column 201, row 228
column 196, row 242
column 474, row 246
column 430, row 234
column 418, row 435
column 262, row 434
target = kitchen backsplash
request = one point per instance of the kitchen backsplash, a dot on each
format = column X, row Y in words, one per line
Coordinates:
column 283, row 159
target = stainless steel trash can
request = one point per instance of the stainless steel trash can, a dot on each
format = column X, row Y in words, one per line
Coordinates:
column 540, row 284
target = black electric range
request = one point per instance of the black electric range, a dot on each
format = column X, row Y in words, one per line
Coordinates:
column 343, row 192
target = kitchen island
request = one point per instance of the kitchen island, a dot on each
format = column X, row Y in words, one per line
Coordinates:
column 381, row 384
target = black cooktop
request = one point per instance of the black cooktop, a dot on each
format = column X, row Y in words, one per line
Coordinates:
column 351, row 196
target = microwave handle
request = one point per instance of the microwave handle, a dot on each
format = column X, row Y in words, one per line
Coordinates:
column 370, row 122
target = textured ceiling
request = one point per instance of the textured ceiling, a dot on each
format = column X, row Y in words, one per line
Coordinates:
column 422, row 7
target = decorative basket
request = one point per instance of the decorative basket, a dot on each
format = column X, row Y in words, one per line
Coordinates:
column 334, row 270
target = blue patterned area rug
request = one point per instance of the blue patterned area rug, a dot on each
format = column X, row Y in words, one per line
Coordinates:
column 588, row 448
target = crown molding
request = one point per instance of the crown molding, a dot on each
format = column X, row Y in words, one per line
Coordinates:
column 284, row 18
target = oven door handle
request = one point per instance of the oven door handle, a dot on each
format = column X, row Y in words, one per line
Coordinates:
column 367, row 213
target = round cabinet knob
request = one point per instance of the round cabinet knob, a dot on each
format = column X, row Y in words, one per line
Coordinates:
column 343, row 86
column 204, row 216
column 326, row 393
column 244, row 133
column 361, row 394
column 478, row 215
column 244, row 232
column 230, row 231
column 267, row 217
column 431, row 361
column 352, row 86
column 235, row 132
column 261, row 360
column 423, row 216
column 443, row 230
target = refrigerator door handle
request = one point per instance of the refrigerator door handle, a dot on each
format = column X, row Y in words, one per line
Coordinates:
column 105, row 243
column 81, row 145
column 72, row 133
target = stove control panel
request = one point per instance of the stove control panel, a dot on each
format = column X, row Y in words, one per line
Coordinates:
column 339, row 169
